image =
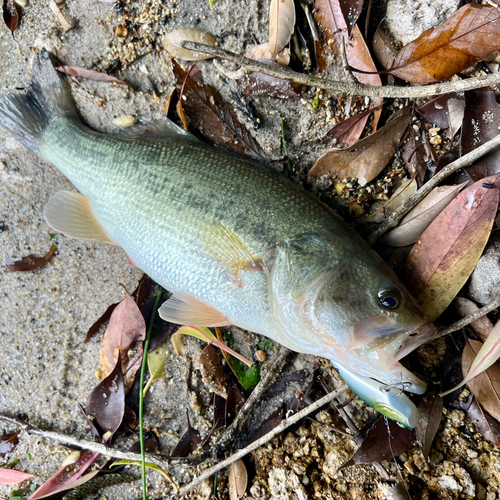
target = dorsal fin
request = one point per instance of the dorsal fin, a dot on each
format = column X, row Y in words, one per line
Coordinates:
column 70, row 213
column 183, row 309
column 155, row 130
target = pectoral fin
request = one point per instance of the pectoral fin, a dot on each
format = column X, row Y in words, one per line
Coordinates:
column 70, row 214
column 185, row 310
column 231, row 251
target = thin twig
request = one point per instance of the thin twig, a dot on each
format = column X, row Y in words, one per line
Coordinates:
column 345, row 87
column 263, row 440
column 466, row 160
column 65, row 439
column 467, row 320
column 274, row 367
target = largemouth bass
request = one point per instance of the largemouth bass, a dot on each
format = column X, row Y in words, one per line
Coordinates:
column 235, row 242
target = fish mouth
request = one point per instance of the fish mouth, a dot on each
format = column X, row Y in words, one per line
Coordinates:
column 419, row 336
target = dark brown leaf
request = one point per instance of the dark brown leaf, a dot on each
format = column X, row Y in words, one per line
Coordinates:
column 123, row 340
column 470, row 35
column 188, row 442
column 430, row 412
column 94, row 329
column 141, row 293
column 150, row 445
column 436, row 110
column 349, row 131
column 448, row 250
column 106, row 402
column 351, row 9
column 486, row 385
column 415, row 155
column 380, row 445
column 368, row 157
column 28, row 263
column 10, row 15
column 8, row 442
column 486, row 425
column 481, row 119
column 90, row 74
column 211, row 371
column 284, row 396
column 215, row 118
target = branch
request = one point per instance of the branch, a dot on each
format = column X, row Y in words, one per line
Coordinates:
column 394, row 218
column 345, row 87
column 263, row 440
column 107, row 451
column 275, row 366
column 467, row 320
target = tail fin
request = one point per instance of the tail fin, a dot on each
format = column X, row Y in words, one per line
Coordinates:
column 25, row 116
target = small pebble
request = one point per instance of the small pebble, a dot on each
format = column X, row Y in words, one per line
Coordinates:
column 124, row 121
column 260, row 356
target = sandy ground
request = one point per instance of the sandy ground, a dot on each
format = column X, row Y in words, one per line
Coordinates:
column 45, row 368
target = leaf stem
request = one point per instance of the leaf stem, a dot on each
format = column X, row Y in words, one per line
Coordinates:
column 141, row 394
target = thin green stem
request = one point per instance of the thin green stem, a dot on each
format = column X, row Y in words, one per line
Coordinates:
column 141, row 395
column 289, row 163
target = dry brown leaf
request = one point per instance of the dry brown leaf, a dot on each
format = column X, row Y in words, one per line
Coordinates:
column 28, row 263
column 384, row 209
column 351, row 9
column 456, row 109
column 430, row 412
column 383, row 47
column 445, row 255
column 172, row 43
column 90, row 74
column 416, row 221
column 123, row 340
column 281, row 25
column 486, row 385
column 482, row 326
column 329, row 17
column 484, row 424
column 238, row 480
column 471, row 34
column 367, row 158
column 10, row 15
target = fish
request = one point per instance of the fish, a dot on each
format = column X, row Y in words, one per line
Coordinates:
column 235, row 242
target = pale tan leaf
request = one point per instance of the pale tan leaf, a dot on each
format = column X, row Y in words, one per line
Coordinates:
column 281, row 25
column 238, row 479
column 368, row 157
column 384, row 209
column 416, row 221
column 383, row 47
column 456, row 110
column 486, row 386
column 172, row 43
column 482, row 326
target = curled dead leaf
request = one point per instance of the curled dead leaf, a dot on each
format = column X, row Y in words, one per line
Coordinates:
column 90, row 74
column 416, row 221
column 281, row 25
column 172, row 43
column 28, row 263
column 471, row 34
column 383, row 209
column 430, row 412
column 368, row 157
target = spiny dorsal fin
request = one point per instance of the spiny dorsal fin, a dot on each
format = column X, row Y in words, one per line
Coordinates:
column 70, row 214
column 155, row 130
column 183, row 309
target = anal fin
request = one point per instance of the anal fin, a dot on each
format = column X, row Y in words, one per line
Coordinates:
column 185, row 310
column 69, row 213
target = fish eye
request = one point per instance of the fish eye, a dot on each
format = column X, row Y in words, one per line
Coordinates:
column 389, row 297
